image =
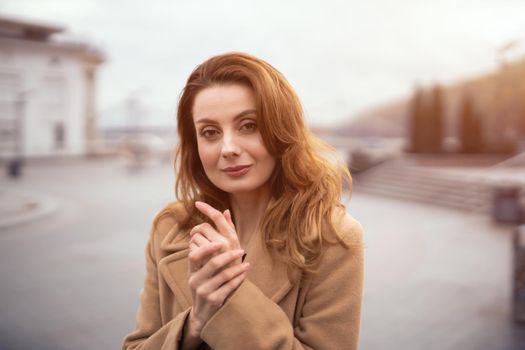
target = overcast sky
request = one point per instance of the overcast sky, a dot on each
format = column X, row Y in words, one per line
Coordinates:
column 341, row 56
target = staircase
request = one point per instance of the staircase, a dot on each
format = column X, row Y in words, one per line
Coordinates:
column 402, row 179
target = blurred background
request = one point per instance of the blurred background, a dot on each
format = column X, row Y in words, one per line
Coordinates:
column 424, row 101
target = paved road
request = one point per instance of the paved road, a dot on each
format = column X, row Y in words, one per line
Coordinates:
column 435, row 278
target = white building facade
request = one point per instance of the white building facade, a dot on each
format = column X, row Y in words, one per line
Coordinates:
column 47, row 92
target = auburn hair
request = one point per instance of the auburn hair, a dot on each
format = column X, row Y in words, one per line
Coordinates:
column 307, row 180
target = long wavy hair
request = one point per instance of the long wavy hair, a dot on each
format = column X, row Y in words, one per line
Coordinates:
column 307, row 181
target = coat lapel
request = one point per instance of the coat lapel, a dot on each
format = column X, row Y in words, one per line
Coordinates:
column 174, row 266
column 266, row 273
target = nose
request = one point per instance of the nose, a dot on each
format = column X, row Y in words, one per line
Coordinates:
column 230, row 146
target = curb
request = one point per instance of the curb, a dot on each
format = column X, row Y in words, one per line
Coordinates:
column 45, row 206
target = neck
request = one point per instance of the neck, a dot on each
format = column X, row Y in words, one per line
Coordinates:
column 248, row 209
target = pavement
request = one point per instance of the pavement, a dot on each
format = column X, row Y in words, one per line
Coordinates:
column 19, row 207
column 435, row 278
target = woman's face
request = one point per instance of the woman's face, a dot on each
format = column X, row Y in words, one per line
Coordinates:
column 230, row 145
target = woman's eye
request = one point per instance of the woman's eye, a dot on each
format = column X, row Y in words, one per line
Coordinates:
column 249, row 126
column 209, row 133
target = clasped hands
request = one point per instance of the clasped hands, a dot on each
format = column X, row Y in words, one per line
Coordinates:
column 215, row 264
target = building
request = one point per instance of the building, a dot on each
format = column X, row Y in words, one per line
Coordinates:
column 47, row 91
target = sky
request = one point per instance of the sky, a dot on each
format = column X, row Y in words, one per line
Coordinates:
column 342, row 57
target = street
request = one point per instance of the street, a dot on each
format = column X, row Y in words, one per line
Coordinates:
column 435, row 278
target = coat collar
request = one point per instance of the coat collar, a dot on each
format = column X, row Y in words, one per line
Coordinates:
column 267, row 274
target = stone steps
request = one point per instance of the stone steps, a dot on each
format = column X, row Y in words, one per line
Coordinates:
column 397, row 179
column 467, row 204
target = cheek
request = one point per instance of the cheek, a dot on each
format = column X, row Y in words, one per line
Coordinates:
column 258, row 150
column 261, row 154
column 270, row 165
column 208, row 155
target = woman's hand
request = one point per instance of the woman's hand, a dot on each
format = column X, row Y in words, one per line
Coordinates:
column 225, row 233
column 212, row 279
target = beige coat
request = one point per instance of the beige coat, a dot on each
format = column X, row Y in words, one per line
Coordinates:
column 266, row 311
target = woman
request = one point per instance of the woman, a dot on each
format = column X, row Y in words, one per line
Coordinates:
column 258, row 253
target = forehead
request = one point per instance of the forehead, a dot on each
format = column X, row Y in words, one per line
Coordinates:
column 222, row 101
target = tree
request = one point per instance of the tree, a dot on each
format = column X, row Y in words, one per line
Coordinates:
column 426, row 126
column 470, row 127
column 415, row 120
column 434, row 123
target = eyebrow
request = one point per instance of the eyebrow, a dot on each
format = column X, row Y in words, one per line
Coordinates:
column 240, row 115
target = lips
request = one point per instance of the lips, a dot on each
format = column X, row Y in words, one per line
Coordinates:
column 238, row 170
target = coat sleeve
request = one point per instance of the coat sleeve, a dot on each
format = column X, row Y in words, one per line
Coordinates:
column 330, row 317
column 150, row 333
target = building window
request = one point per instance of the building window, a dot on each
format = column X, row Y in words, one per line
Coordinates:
column 10, row 88
column 54, row 61
column 53, row 98
column 59, row 135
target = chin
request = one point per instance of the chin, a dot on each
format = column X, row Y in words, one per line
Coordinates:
column 232, row 189
column 238, row 187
